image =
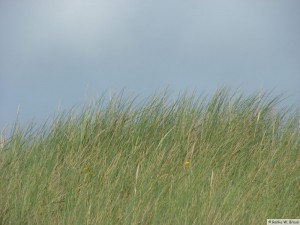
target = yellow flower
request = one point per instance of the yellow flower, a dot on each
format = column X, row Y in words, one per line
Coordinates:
column 187, row 164
column 86, row 169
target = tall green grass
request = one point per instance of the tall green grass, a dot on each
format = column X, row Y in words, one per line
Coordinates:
column 229, row 159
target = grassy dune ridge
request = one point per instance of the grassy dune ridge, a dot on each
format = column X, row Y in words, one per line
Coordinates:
column 229, row 159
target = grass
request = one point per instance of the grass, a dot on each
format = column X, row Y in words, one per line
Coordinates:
column 229, row 159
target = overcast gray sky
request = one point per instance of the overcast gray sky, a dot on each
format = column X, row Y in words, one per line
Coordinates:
column 64, row 52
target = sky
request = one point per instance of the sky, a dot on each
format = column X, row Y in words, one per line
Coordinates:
column 58, row 53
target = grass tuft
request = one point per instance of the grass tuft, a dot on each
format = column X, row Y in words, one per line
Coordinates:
column 230, row 159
